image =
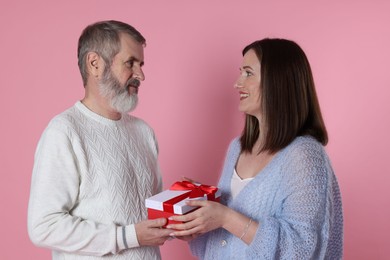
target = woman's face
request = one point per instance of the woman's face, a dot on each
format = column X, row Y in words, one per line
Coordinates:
column 248, row 85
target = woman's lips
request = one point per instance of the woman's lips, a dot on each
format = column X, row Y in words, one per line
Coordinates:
column 243, row 95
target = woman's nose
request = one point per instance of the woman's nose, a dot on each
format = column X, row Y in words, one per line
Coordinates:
column 237, row 84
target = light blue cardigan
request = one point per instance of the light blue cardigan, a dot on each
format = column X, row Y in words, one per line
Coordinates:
column 295, row 199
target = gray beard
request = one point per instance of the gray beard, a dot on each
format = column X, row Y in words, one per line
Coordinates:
column 118, row 95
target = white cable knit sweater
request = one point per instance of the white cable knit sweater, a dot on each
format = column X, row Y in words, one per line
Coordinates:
column 90, row 180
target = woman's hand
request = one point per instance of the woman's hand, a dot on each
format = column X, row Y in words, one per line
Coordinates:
column 209, row 216
column 212, row 215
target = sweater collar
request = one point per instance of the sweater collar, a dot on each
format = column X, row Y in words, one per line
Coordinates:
column 103, row 120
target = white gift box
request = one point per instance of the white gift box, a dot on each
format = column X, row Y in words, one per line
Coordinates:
column 175, row 203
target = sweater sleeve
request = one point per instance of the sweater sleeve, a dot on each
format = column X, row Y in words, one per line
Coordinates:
column 299, row 230
column 54, row 192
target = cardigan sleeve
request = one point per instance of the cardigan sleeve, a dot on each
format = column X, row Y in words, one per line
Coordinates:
column 54, row 192
column 198, row 246
column 299, row 230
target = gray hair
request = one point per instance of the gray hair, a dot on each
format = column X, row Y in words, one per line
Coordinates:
column 103, row 38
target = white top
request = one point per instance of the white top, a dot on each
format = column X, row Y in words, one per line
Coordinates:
column 90, row 180
column 237, row 184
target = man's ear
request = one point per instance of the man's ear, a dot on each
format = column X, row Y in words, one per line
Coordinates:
column 95, row 64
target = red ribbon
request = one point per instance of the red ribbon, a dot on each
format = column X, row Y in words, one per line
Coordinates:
column 194, row 191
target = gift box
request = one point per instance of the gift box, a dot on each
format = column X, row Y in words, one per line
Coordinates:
column 172, row 202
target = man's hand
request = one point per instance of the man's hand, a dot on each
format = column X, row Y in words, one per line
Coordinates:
column 151, row 233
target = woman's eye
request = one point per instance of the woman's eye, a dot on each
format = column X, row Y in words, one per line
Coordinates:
column 248, row 73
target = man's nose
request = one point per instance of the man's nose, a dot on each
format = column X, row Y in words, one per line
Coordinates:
column 138, row 73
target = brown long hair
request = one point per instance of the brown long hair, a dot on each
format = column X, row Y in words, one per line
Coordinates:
column 289, row 100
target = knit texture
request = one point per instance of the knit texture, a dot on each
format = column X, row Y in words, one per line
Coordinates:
column 91, row 176
column 296, row 201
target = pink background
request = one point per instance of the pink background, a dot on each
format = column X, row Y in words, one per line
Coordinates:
column 192, row 58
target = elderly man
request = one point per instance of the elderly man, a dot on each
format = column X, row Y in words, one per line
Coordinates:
column 95, row 164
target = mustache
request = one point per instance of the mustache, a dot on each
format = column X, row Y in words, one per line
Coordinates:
column 133, row 82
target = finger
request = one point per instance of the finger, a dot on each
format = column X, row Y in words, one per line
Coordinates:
column 197, row 203
column 190, row 180
column 158, row 222
column 185, row 225
column 179, row 218
column 178, row 226
column 162, row 234
column 184, row 218
column 187, row 232
column 165, row 233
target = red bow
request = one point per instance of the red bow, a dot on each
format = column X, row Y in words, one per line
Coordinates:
column 194, row 191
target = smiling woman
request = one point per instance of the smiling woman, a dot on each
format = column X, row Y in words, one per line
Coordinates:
column 248, row 85
column 280, row 198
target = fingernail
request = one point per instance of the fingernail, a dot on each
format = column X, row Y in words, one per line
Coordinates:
column 169, row 226
column 172, row 234
column 170, row 218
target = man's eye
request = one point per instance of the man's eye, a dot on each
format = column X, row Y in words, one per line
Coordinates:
column 130, row 63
